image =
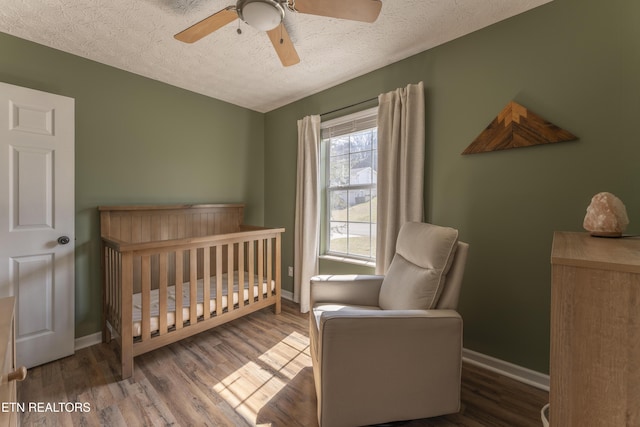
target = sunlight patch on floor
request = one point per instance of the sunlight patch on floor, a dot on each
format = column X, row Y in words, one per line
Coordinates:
column 253, row 385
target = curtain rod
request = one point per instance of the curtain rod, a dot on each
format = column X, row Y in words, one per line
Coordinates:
column 349, row 106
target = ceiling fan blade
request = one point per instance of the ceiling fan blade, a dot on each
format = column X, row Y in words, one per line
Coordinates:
column 283, row 45
column 207, row 25
column 355, row 10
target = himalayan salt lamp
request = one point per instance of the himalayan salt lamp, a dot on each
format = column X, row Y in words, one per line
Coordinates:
column 606, row 216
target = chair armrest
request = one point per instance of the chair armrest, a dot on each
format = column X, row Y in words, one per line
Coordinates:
column 346, row 289
column 384, row 331
column 364, row 321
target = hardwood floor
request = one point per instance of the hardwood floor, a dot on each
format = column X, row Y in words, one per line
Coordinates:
column 252, row 371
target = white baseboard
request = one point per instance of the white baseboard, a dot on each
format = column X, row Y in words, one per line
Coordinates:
column 286, row 294
column 518, row 373
column 88, row 340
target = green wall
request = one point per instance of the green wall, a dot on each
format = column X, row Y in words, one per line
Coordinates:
column 575, row 63
column 139, row 141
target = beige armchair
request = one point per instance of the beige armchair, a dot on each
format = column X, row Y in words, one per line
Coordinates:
column 389, row 348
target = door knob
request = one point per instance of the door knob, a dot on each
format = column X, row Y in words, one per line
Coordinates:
column 63, row 240
column 18, row 375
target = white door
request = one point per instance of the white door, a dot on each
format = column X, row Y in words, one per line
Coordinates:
column 37, row 220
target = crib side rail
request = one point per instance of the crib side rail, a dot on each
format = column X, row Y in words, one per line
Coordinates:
column 189, row 242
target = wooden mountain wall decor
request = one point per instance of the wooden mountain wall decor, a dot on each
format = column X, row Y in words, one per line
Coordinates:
column 517, row 127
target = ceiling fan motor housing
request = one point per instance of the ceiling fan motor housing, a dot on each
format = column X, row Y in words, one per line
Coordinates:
column 263, row 15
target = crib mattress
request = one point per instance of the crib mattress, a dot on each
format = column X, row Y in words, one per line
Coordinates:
column 186, row 303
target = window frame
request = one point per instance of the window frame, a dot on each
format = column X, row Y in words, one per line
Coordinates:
column 365, row 117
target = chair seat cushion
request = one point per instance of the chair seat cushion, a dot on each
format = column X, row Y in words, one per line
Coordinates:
column 416, row 276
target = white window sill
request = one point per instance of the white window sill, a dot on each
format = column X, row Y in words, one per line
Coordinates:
column 348, row 260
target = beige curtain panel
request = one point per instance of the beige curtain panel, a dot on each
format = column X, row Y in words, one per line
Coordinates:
column 307, row 214
column 401, row 150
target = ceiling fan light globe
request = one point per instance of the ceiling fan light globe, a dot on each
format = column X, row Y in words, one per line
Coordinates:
column 263, row 15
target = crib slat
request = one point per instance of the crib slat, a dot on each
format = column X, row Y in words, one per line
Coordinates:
column 162, row 294
column 218, row 280
column 108, row 282
column 193, row 286
column 230, row 255
column 178, row 287
column 260, row 268
column 106, row 303
column 269, row 267
column 146, row 296
column 206, row 283
column 252, row 275
column 113, row 282
column 108, row 300
column 240, row 274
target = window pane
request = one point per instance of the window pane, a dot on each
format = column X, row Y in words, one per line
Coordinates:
column 374, row 220
column 361, row 168
column 374, row 206
column 338, row 241
column 339, row 145
column 360, row 238
column 360, row 205
column 373, row 239
column 338, row 205
column 338, row 170
column 361, row 141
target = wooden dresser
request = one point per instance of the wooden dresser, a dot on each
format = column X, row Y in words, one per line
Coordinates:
column 595, row 331
column 8, row 413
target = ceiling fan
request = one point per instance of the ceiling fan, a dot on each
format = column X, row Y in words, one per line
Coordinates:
column 268, row 15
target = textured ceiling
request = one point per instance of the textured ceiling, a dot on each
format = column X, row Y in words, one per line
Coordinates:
column 137, row 36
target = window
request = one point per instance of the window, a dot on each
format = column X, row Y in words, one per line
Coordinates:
column 350, row 146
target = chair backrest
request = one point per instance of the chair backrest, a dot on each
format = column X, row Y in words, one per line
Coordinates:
column 417, row 274
column 451, row 291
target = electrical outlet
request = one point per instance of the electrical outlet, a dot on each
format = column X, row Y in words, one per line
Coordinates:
column 290, row 271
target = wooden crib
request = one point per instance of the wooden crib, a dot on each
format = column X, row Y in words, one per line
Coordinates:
column 153, row 256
